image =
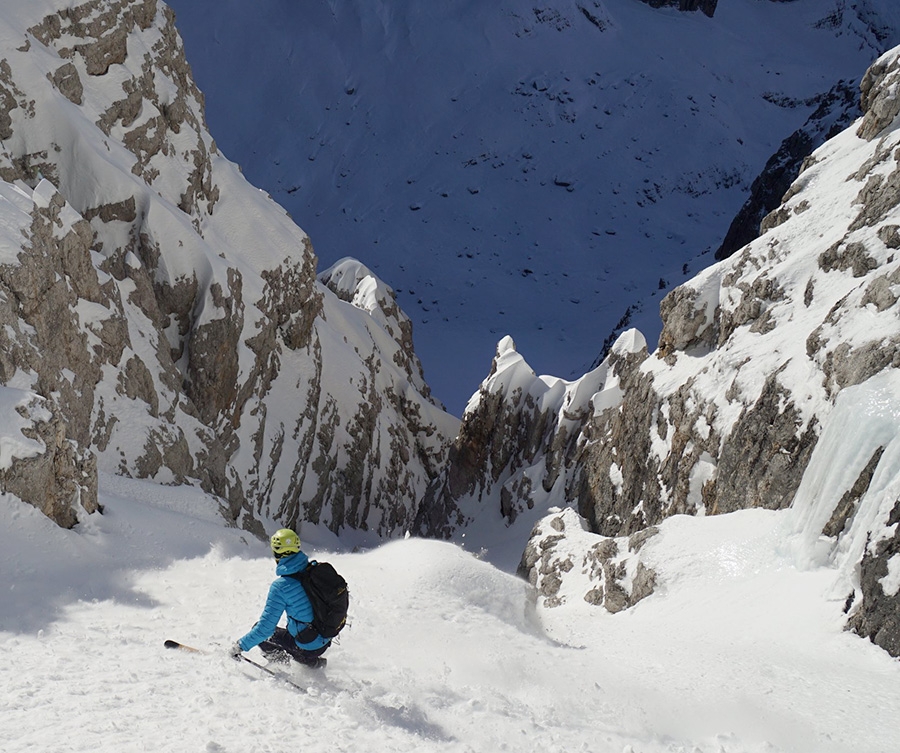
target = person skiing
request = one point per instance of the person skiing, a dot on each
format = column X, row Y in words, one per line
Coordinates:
column 300, row 640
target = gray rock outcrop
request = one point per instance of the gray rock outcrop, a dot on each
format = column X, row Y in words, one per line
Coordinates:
column 879, row 99
column 44, row 466
column 836, row 110
column 878, row 616
column 563, row 560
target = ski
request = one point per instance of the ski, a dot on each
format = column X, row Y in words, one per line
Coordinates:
column 182, row 646
column 276, row 675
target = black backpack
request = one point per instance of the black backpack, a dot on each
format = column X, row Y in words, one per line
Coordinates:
column 330, row 599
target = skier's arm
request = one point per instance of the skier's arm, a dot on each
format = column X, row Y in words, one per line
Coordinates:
column 268, row 620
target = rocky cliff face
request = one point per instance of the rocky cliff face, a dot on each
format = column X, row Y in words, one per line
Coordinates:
column 835, row 111
column 40, row 463
column 167, row 315
column 727, row 412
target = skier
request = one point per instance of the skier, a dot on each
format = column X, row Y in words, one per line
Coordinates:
column 300, row 640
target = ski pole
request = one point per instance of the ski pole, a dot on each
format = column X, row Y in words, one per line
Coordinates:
column 276, row 675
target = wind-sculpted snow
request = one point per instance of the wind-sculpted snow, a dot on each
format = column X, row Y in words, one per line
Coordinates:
column 728, row 412
column 167, row 312
column 448, row 575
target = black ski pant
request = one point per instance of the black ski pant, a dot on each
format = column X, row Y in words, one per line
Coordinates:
column 282, row 642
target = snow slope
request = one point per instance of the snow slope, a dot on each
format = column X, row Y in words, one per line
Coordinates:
column 518, row 168
column 737, row 652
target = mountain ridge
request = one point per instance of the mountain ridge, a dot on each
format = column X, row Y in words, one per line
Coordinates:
column 730, row 411
column 484, row 158
column 168, row 312
column 163, row 319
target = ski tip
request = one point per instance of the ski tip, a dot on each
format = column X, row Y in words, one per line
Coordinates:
column 182, row 646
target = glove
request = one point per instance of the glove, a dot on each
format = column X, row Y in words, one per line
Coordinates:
column 235, row 651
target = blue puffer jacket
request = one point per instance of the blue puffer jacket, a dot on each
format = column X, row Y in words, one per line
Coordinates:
column 285, row 595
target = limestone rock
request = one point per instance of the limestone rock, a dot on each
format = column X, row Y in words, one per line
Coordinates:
column 879, row 99
column 44, row 467
column 563, row 562
column 727, row 413
column 66, row 79
column 519, row 438
column 878, row 616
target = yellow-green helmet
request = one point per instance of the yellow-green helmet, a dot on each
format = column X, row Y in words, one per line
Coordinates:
column 285, row 541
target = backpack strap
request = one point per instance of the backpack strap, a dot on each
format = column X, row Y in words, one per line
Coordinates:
column 309, row 633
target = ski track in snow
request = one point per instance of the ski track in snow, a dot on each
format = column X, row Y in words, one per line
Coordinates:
column 736, row 652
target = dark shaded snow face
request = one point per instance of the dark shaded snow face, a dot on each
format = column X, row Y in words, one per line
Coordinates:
column 544, row 173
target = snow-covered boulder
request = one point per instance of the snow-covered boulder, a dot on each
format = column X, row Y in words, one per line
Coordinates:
column 563, row 560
